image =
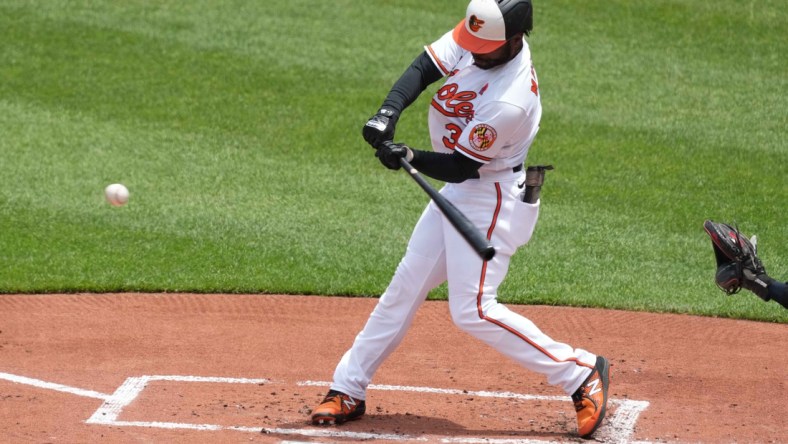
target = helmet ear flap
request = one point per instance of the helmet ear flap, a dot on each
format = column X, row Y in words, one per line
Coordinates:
column 518, row 15
column 529, row 20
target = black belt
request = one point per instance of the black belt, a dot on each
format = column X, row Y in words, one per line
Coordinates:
column 517, row 169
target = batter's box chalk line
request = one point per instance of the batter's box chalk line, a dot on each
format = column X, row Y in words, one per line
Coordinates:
column 619, row 426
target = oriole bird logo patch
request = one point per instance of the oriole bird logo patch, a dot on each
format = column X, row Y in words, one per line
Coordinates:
column 475, row 24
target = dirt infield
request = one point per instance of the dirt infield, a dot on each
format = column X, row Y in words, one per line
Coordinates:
column 248, row 368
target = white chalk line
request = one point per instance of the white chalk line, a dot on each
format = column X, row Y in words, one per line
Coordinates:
column 482, row 394
column 619, row 428
column 132, row 387
column 52, row 386
column 110, row 410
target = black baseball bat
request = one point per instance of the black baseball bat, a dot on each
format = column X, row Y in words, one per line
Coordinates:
column 469, row 232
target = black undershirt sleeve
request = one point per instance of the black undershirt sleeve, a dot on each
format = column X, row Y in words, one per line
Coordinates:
column 416, row 78
column 454, row 167
column 778, row 291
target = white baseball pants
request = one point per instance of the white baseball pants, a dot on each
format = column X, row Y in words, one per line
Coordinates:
column 437, row 253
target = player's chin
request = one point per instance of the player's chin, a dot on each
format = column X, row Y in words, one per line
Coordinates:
column 484, row 63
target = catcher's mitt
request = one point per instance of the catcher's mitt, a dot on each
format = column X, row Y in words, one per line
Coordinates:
column 737, row 259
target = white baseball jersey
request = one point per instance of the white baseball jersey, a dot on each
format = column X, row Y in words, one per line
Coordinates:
column 491, row 116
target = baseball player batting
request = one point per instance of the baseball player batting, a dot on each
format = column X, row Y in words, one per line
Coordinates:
column 482, row 122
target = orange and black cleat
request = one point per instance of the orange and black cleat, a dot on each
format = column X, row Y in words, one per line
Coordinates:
column 337, row 408
column 591, row 398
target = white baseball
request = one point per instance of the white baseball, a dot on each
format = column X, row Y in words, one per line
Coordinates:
column 116, row 194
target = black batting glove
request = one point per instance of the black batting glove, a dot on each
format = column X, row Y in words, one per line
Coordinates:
column 390, row 153
column 380, row 127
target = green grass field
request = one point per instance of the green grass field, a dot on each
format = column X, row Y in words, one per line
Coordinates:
column 237, row 127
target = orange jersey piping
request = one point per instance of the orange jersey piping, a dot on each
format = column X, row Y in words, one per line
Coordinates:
column 481, row 293
column 437, row 61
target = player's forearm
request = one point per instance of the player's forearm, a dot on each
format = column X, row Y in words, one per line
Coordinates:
column 778, row 291
column 420, row 74
column 454, row 168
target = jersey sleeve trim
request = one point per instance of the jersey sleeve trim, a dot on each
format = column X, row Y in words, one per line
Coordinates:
column 437, row 61
column 472, row 154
